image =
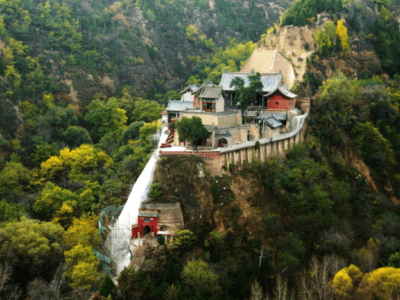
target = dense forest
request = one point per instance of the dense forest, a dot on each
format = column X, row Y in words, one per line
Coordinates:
column 314, row 228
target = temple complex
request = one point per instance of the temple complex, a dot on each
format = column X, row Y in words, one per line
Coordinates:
column 269, row 115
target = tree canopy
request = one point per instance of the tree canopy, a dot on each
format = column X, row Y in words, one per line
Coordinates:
column 246, row 95
column 105, row 117
column 34, row 248
column 192, row 130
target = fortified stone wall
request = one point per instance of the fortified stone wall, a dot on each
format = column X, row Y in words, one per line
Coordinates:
column 219, row 162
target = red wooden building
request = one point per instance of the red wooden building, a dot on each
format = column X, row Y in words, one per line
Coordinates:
column 147, row 223
column 279, row 102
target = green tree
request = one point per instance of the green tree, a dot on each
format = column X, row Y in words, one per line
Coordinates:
column 184, row 240
column 44, row 150
column 132, row 284
column 246, row 95
column 56, row 120
column 34, row 248
column 147, row 111
column 107, row 287
column 191, row 130
column 9, row 211
column 75, row 136
column 200, row 282
column 132, row 132
column 52, row 198
column 14, row 180
column 105, row 117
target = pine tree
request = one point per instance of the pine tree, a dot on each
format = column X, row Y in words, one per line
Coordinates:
column 107, row 287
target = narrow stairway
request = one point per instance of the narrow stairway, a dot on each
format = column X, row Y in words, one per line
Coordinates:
column 170, row 140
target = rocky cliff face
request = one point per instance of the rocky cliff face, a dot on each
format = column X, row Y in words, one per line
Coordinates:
column 292, row 42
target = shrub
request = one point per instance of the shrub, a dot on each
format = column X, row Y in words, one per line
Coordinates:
column 155, row 190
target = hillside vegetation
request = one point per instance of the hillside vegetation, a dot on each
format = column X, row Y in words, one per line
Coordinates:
column 82, row 85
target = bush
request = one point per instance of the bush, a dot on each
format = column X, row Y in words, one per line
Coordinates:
column 200, row 281
column 131, row 133
column 257, row 145
column 107, row 287
column 155, row 190
column 161, row 240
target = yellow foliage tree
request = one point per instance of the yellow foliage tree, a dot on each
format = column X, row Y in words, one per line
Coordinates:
column 48, row 100
column 346, row 280
column 52, row 198
column 65, row 214
column 341, row 31
column 82, row 267
column 382, row 283
column 75, row 164
column 191, row 32
column 83, row 231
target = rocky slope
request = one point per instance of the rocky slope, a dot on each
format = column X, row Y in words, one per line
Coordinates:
column 292, row 42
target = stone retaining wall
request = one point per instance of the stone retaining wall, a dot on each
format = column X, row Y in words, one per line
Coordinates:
column 219, row 160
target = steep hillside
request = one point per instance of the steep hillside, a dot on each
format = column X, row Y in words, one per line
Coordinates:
column 130, row 43
column 297, row 44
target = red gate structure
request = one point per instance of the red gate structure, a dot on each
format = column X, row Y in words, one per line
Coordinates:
column 147, row 223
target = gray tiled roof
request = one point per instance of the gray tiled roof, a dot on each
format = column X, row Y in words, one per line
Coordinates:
column 272, row 122
column 285, row 91
column 250, row 113
column 270, row 81
column 277, row 116
column 210, row 92
column 150, row 215
column 178, row 105
column 210, row 128
column 191, row 87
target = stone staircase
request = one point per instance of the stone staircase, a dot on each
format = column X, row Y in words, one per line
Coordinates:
column 170, row 140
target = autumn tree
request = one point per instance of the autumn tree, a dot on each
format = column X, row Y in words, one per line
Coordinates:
column 341, row 31
column 185, row 240
column 34, row 248
column 191, row 32
column 82, row 236
column 73, row 164
column 52, row 199
column 82, row 267
column 346, row 281
column 83, row 231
